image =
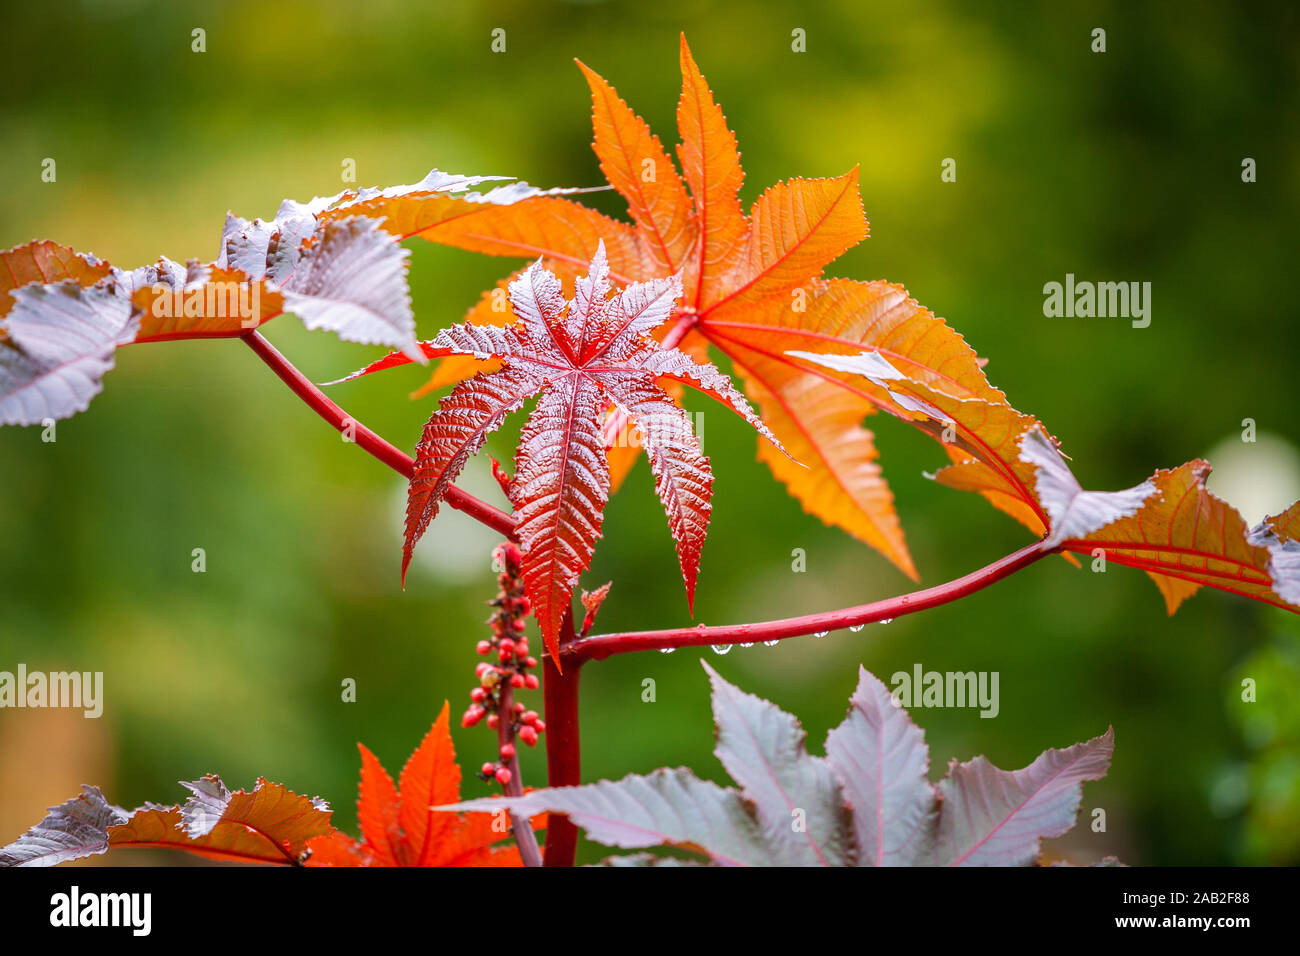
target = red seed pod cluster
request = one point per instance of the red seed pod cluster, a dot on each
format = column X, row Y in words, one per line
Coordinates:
column 507, row 663
column 530, row 725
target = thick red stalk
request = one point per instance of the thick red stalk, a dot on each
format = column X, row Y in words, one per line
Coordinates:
column 563, row 752
column 393, row 457
column 601, row 646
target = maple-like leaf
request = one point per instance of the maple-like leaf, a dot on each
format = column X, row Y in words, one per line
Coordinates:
column 268, row 824
column 750, row 290
column 868, row 802
column 1170, row 525
column 579, row 356
column 399, row 827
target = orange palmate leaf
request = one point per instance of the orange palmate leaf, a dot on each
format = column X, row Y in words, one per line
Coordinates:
column 398, row 827
column 744, row 277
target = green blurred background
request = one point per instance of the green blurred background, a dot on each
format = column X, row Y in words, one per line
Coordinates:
column 1117, row 166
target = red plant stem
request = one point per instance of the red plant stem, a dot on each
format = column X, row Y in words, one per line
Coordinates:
column 601, row 646
column 390, row 455
column 524, row 835
column 563, row 753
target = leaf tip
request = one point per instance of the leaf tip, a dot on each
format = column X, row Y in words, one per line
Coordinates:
column 687, row 60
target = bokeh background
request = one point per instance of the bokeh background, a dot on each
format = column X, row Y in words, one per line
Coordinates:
column 1117, row 166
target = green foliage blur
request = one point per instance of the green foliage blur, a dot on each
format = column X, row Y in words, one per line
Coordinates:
column 1124, row 165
